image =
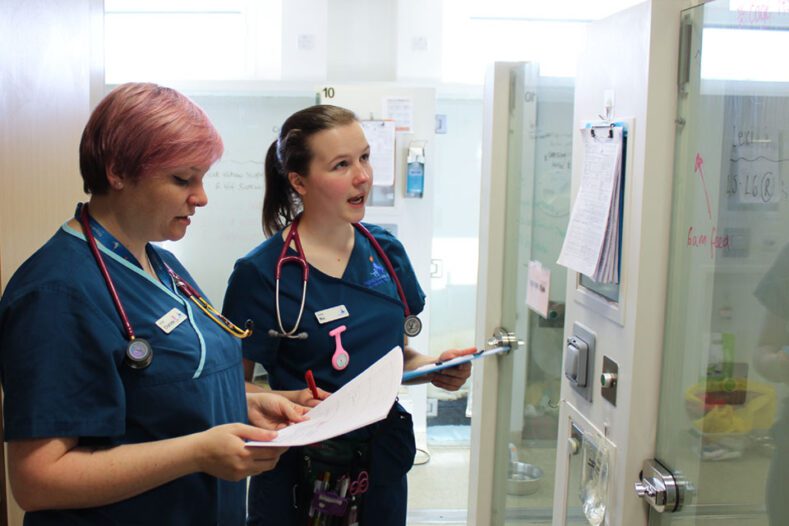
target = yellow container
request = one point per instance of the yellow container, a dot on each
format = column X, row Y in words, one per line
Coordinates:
column 751, row 406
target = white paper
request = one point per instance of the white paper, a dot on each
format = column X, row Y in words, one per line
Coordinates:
column 591, row 244
column 362, row 401
column 538, row 288
column 400, row 110
column 381, row 138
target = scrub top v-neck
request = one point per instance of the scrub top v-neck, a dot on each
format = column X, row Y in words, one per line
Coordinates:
column 62, row 365
column 374, row 324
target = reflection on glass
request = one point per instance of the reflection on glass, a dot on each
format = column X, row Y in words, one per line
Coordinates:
column 722, row 421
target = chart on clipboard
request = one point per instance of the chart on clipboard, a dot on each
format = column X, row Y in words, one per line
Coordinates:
column 592, row 244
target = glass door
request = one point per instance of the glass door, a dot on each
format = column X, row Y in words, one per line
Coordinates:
column 537, row 201
column 723, row 430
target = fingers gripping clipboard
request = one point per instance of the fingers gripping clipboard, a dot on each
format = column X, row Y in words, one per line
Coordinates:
column 438, row 366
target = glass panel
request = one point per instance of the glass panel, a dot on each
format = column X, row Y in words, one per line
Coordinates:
column 538, row 200
column 722, row 423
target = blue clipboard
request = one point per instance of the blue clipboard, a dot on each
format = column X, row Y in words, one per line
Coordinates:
column 433, row 367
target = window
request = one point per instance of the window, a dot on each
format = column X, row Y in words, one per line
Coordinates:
column 170, row 40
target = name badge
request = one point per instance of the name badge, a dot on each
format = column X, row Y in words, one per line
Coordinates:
column 331, row 314
column 171, row 320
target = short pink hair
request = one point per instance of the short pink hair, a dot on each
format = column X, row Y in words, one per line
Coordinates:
column 141, row 127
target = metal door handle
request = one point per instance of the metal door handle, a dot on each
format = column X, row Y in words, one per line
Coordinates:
column 503, row 340
column 660, row 488
column 644, row 490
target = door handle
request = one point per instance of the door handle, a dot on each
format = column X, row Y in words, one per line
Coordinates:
column 503, row 340
column 660, row 488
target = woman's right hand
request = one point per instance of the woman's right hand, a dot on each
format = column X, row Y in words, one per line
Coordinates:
column 221, row 451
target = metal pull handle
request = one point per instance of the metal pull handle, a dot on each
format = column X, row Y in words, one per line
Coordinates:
column 644, row 490
column 660, row 488
column 503, row 340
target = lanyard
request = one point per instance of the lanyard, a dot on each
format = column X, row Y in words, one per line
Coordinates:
column 94, row 230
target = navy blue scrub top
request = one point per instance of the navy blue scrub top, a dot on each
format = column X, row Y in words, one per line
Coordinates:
column 62, row 347
column 375, row 321
column 374, row 327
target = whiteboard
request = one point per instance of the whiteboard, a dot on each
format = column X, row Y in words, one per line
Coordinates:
column 230, row 225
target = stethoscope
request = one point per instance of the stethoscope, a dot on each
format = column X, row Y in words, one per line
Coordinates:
column 412, row 324
column 139, row 352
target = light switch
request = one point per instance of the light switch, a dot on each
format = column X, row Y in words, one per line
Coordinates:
column 579, row 360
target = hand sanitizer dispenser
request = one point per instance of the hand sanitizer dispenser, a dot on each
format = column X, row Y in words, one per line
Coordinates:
column 415, row 171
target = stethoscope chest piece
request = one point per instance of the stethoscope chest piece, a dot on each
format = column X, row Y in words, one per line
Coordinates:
column 412, row 325
column 139, row 354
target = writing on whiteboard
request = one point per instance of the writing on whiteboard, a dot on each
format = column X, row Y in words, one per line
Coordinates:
column 232, row 181
column 713, row 240
column 697, row 167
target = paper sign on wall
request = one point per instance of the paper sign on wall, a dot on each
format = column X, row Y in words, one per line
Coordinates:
column 538, row 288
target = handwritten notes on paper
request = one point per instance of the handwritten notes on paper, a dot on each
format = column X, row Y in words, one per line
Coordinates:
column 364, row 400
column 591, row 244
column 381, row 138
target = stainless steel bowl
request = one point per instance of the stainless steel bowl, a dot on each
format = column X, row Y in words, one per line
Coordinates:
column 523, row 478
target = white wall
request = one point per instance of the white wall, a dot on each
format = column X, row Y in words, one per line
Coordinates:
column 419, row 40
column 304, row 39
column 358, row 40
column 361, row 43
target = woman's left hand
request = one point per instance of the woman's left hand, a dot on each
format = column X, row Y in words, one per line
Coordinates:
column 272, row 411
column 453, row 378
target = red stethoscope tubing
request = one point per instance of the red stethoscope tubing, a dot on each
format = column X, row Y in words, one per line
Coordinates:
column 293, row 235
column 187, row 289
column 83, row 217
column 389, row 268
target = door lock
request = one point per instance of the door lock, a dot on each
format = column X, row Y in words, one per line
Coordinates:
column 660, row 488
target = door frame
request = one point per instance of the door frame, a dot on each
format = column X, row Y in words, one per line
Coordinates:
column 485, row 378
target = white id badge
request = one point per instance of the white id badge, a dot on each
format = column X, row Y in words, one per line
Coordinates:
column 331, row 314
column 171, row 320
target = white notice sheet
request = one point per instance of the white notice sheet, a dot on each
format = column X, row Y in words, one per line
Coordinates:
column 381, row 138
column 362, row 401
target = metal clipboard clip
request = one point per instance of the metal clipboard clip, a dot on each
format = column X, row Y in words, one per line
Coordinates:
column 609, row 126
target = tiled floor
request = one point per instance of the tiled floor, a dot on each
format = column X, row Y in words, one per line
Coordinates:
column 438, row 489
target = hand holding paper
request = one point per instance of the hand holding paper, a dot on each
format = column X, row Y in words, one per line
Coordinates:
column 362, row 401
column 272, row 411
